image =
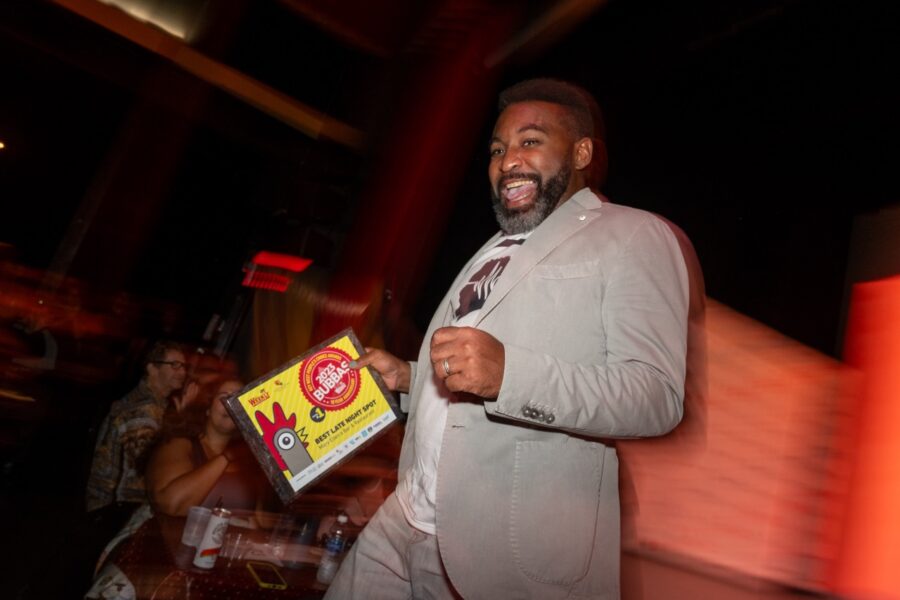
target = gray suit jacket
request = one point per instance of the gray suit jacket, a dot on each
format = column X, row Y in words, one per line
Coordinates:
column 592, row 312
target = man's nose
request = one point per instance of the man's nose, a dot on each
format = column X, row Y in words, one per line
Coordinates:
column 511, row 160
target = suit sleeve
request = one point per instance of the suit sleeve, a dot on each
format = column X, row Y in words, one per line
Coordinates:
column 635, row 385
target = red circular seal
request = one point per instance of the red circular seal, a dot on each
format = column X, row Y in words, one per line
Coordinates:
column 327, row 380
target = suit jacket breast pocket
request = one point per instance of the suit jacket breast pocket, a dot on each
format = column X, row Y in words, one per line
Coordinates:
column 568, row 270
column 564, row 302
column 555, row 503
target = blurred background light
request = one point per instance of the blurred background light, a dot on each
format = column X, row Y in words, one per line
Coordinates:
column 176, row 18
column 282, row 261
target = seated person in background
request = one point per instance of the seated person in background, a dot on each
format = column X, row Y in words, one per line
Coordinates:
column 116, row 485
column 201, row 469
column 192, row 465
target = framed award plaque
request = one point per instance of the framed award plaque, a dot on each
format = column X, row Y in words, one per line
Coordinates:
column 313, row 413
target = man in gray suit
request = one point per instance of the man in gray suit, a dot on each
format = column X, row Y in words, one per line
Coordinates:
column 565, row 331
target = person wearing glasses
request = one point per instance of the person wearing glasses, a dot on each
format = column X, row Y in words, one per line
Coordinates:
column 116, row 483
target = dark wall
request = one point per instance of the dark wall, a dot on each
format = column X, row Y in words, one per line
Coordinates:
column 761, row 128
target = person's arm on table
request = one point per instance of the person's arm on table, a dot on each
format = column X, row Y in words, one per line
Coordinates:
column 173, row 484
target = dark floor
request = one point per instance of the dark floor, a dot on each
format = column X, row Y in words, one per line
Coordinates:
column 44, row 551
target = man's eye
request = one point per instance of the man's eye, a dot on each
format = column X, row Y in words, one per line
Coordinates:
column 496, row 151
column 530, row 142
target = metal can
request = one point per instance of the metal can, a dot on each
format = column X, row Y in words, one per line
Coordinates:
column 213, row 537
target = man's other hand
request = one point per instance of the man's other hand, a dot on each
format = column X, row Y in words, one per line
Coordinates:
column 469, row 360
column 394, row 371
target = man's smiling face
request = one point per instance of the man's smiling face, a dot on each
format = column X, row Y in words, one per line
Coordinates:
column 531, row 164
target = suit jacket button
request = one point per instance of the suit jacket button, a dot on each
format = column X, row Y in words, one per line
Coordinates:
column 526, row 411
column 549, row 419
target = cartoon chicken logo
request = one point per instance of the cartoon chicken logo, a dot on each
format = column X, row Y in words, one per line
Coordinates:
column 285, row 443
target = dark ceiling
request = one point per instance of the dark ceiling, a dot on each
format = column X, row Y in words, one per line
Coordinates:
column 761, row 127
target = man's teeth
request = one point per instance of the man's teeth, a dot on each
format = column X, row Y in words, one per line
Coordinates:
column 514, row 184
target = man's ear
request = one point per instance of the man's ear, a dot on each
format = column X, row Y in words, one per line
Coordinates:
column 584, row 152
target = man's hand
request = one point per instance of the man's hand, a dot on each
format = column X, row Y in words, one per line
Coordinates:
column 187, row 396
column 394, row 371
column 469, row 360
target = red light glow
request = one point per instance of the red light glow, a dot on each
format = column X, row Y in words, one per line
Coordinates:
column 265, row 281
column 281, row 261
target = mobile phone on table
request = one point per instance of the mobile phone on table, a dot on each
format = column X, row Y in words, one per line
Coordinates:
column 266, row 575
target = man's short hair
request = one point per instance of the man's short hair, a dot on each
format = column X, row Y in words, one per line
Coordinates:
column 585, row 118
column 159, row 350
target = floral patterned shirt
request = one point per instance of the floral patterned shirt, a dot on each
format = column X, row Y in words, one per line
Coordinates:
column 125, row 437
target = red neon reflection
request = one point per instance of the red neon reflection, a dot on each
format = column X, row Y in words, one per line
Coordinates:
column 265, row 281
column 282, row 261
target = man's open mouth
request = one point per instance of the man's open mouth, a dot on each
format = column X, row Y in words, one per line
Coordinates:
column 518, row 193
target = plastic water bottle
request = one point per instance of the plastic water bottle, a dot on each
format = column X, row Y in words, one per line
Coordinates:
column 334, row 550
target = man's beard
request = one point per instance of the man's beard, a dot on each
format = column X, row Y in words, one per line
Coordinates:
column 546, row 200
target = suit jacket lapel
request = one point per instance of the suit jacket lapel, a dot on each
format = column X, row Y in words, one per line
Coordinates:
column 562, row 223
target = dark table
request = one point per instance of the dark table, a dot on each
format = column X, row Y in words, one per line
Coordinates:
column 160, row 566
